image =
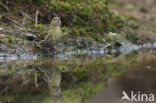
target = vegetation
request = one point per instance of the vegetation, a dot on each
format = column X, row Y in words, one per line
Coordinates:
column 81, row 78
column 91, row 19
column 89, row 26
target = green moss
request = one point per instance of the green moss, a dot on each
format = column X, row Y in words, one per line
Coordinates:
column 76, row 32
column 10, row 39
column 60, row 5
column 10, row 69
column 154, row 29
column 90, row 39
column 88, row 18
column 40, row 26
column 131, row 35
column 7, row 38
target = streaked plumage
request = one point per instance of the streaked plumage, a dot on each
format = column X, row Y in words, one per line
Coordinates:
column 54, row 33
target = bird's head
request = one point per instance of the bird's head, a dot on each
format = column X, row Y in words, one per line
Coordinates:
column 56, row 21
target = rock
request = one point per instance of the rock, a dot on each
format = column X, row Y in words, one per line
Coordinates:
column 113, row 34
column 30, row 36
column 143, row 10
column 1, row 29
column 117, row 44
column 130, row 7
column 109, row 46
column 3, row 47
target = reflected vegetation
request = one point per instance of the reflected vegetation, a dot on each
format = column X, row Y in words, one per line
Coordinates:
column 74, row 79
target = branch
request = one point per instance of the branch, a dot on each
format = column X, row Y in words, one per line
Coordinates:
column 13, row 21
column 36, row 84
column 24, row 14
column 4, row 6
column 36, row 22
column 5, row 89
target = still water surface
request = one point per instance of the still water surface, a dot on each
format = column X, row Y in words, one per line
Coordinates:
column 80, row 78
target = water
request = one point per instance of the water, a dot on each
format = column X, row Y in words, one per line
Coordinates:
column 87, row 77
column 141, row 78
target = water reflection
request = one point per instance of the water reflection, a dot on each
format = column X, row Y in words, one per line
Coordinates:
column 141, row 78
column 77, row 79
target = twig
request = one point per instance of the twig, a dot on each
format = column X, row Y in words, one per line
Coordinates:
column 36, row 22
column 5, row 89
column 13, row 21
column 36, row 84
column 24, row 14
column 21, row 28
column 5, row 7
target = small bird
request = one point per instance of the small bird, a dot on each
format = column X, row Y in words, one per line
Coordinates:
column 49, row 73
column 55, row 34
